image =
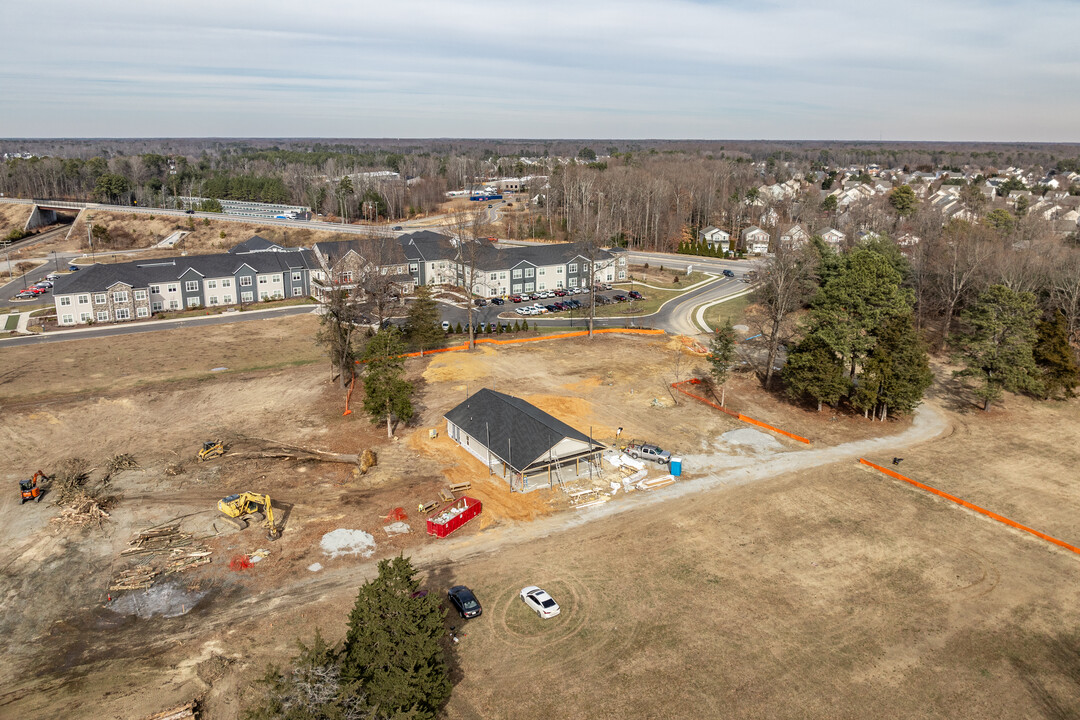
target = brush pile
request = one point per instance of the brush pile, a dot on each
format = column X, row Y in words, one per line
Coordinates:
column 119, row 462
column 79, row 504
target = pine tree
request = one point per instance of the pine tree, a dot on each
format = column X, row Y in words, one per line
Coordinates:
column 722, row 355
column 1055, row 358
column 997, row 342
column 457, row 330
column 422, row 327
column 393, row 643
column 387, row 395
column 896, row 373
column 813, row 371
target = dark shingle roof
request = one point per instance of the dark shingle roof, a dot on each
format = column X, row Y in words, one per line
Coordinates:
column 255, row 243
column 427, row 246
column 520, row 433
column 141, row 273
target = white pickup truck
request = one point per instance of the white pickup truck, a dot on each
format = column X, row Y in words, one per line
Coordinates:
column 648, row 452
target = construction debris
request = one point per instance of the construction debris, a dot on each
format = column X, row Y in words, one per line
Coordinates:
column 123, row 461
column 181, row 712
column 275, row 449
column 82, row 509
column 68, row 481
column 174, row 469
column 170, row 551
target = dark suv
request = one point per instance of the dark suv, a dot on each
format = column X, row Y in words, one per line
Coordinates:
column 729, row 273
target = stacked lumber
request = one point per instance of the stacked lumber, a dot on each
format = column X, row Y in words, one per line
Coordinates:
column 181, row 712
column 170, row 551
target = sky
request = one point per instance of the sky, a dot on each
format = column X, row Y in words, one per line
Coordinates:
column 941, row 70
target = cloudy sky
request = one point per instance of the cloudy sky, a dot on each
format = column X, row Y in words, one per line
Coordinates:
column 992, row 70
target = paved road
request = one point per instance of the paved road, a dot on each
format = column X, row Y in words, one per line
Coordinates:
column 156, row 326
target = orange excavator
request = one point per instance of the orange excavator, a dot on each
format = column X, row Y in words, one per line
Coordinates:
column 31, row 488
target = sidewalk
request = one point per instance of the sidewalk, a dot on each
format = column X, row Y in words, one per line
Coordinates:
column 22, row 320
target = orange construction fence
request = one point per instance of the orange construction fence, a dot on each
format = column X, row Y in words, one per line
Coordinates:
column 514, row 341
column 970, row 506
column 348, row 396
column 737, row 416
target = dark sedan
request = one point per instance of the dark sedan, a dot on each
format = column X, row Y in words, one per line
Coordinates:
column 464, row 601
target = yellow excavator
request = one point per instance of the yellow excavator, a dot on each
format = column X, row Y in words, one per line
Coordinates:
column 211, row 449
column 248, row 507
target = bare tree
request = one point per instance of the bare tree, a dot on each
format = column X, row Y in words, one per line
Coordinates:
column 466, row 227
column 960, row 255
column 785, row 283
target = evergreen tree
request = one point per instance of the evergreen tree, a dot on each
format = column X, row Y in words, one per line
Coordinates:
column 387, row 395
column 722, row 355
column 393, row 643
column 457, row 329
column 997, row 342
column 896, row 373
column 813, row 371
column 422, row 327
column 1055, row 358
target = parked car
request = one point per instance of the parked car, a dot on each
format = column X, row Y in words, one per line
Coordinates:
column 560, row 293
column 498, row 301
column 36, row 290
column 190, row 212
column 539, row 601
column 620, row 298
column 482, row 327
column 575, row 304
column 522, row 310
column 464, row 601
column 551, row 308
column 515, row 298
column 52, row 277
column 72, row 268
column 446, row 325
column 24, row 295
column 397, row 227
column 636, row 295
column 480, row 302
column 648, row 452
column 729, row 273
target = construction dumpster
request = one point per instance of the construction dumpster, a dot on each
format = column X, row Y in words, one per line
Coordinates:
column 453, row 516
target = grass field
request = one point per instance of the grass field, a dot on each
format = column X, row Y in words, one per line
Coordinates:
column 732, row 310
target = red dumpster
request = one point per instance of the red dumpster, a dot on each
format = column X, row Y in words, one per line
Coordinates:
column 453, row 516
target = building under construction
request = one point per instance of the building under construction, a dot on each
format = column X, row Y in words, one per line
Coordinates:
column 520, row 442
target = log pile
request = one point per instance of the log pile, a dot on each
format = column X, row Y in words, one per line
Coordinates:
column 83, row 509
column 169, row 551
column 180, row 712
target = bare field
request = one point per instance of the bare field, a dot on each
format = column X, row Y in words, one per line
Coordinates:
column 834, row 592
column 118, row 362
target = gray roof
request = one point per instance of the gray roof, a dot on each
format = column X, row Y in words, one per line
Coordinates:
column 255, row 243
column 142, row 273
column 380, row 251
column 520, row 433
column 427, row 246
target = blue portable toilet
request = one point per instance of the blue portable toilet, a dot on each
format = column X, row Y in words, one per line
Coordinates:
column 676, row 466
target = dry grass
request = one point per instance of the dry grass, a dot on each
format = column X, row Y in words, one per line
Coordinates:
column 13, row 216
column 126, row 361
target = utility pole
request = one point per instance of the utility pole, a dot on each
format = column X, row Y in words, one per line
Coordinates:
column 90, row 236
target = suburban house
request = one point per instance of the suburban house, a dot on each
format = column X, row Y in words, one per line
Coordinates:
column 833, row 238
column 127, row 291
column 715, row 238
column 256, row 243
column 432, row 258
column 494, row 272
column 794, row 237
column 520, row 442
column 754, row 240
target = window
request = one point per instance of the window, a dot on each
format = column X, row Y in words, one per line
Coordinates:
column 502, row 276
column 528, row 272
column 245, row 281
column 192, row 286
column 493, row 276
column 609, row 278
column 558, row 283
column 276, row 278
column 213, row 300
column 141, row 311
column 413, row 267
column 84, row 299
column 297, row 277
column 174, row 304
column 99, row 298
column 192, row 302
column 517, row 274
column 573, row 267
column 298, row 292
column 529, row 287
column 542, row 287
column 123, row 314
column 103, row 316
column 347, row 276
column 155, row 289
column 246, row 297
column 211, row 284
column 65, row 300
column 120, row 297
column 263, row 295
column 173, row 287
column 157, row 306
column 622, row 275
column 573, row 282
column 542, row 271
column 226, row 283
column 84, row 317
column 227, row 299
column 558, row 270
column 67, row 320
column 263, row 279
column 140, row 294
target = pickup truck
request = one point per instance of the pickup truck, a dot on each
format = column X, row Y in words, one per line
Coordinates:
column 648, row 452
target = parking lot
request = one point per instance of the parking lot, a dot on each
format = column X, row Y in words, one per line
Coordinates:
column 553, row 306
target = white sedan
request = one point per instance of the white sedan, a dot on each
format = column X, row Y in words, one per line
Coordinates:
column 539, row 601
